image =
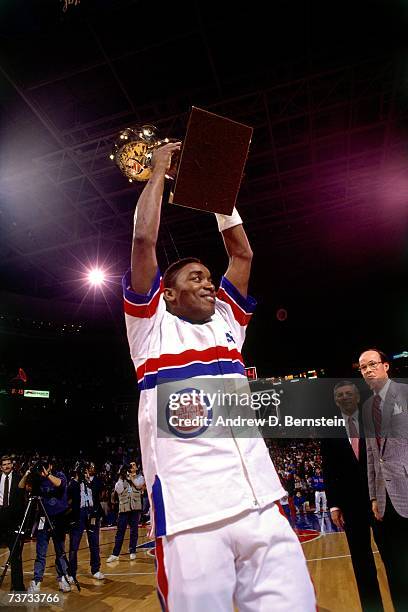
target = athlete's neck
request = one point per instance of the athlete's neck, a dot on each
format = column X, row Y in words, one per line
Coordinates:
column 193, row 322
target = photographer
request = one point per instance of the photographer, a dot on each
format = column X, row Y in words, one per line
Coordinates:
column 128, row 488
column 85, row 516
column 96, row 485
column 52, row 489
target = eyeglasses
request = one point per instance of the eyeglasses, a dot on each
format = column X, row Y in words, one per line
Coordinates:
column 373, row 365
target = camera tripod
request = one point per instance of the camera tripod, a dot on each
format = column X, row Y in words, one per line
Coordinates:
column 21, row 532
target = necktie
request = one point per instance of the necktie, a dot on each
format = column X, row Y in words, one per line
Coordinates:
column 6, row 493
column 377, row 419
column 353, row 436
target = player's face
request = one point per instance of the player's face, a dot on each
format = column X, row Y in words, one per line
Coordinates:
column 347, row 398
column 193, row 296
column 374, row 372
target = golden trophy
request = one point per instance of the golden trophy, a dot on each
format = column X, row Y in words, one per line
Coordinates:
column 133, row 150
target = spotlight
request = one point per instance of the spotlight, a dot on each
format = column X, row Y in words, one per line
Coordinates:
column 96, row 277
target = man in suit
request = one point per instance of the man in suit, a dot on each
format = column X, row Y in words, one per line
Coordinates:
column 11, row 515
column 385, row 416
column 345, row 474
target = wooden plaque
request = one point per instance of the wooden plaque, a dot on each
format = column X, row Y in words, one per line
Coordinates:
column 212, row 162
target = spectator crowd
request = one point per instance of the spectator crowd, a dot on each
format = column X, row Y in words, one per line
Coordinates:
column 55, row 498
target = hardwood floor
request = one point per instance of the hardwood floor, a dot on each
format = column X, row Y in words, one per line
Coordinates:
column 130, row 585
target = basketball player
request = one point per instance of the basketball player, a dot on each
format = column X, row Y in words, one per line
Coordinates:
column 220, row 535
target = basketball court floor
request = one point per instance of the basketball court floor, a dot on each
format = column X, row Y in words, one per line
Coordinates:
column 130, row 585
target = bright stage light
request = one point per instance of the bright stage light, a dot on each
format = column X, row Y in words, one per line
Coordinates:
column 96, row 277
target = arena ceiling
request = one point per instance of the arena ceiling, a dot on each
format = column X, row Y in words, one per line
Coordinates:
column 324, row 85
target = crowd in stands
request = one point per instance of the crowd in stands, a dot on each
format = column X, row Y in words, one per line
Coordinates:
column 299, row 466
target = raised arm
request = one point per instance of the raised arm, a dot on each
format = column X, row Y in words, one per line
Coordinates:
column 147, row 221
column 238, row 249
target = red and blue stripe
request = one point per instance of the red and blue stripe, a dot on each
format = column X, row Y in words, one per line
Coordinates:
column 242, row 307
column 213, row 361
column 141, row 306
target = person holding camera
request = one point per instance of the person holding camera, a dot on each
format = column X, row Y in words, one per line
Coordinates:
column 11, row 513
column 96, row 485
column 84, row 517
column 52, row 489
column 128, row 489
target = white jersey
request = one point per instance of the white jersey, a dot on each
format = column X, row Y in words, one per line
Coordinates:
column 194, row 480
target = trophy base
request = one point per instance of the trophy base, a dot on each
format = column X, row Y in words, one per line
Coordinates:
column 211, row 164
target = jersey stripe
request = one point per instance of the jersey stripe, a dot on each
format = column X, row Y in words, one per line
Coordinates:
column 242, row 307
column 141, row 306
column 158, row 506
column 142, row 311
column 162, row 583
column 247, row 304
column 239, row 315
column 197, row 369
column 172, row 360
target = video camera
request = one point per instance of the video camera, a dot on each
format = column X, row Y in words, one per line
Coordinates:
column 39, row 466
column 81, row 469
column 124, row 472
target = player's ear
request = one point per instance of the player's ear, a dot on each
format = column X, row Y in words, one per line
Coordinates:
column 169, row 295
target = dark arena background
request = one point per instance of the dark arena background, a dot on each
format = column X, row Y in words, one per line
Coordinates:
column 324, row 198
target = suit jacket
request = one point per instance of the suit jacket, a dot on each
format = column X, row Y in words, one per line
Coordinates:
column 97, row 486
column 388, row 465
column 12, row 516
column 346, row 476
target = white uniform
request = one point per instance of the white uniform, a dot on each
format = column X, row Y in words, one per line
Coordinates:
column 196, row 481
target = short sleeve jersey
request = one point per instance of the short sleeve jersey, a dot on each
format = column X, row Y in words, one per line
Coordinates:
column 198, row 480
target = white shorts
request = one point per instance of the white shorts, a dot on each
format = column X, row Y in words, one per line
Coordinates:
column 254, row 561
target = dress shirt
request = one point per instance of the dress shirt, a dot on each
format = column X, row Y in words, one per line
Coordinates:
column 86, row 496
column 354, row 418
column 383, row 393
column 2, row 482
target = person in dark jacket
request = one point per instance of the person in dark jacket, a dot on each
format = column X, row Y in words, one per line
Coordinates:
column 85, row 516
column 96, row 484
column 345, row 473
column 11, row 515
